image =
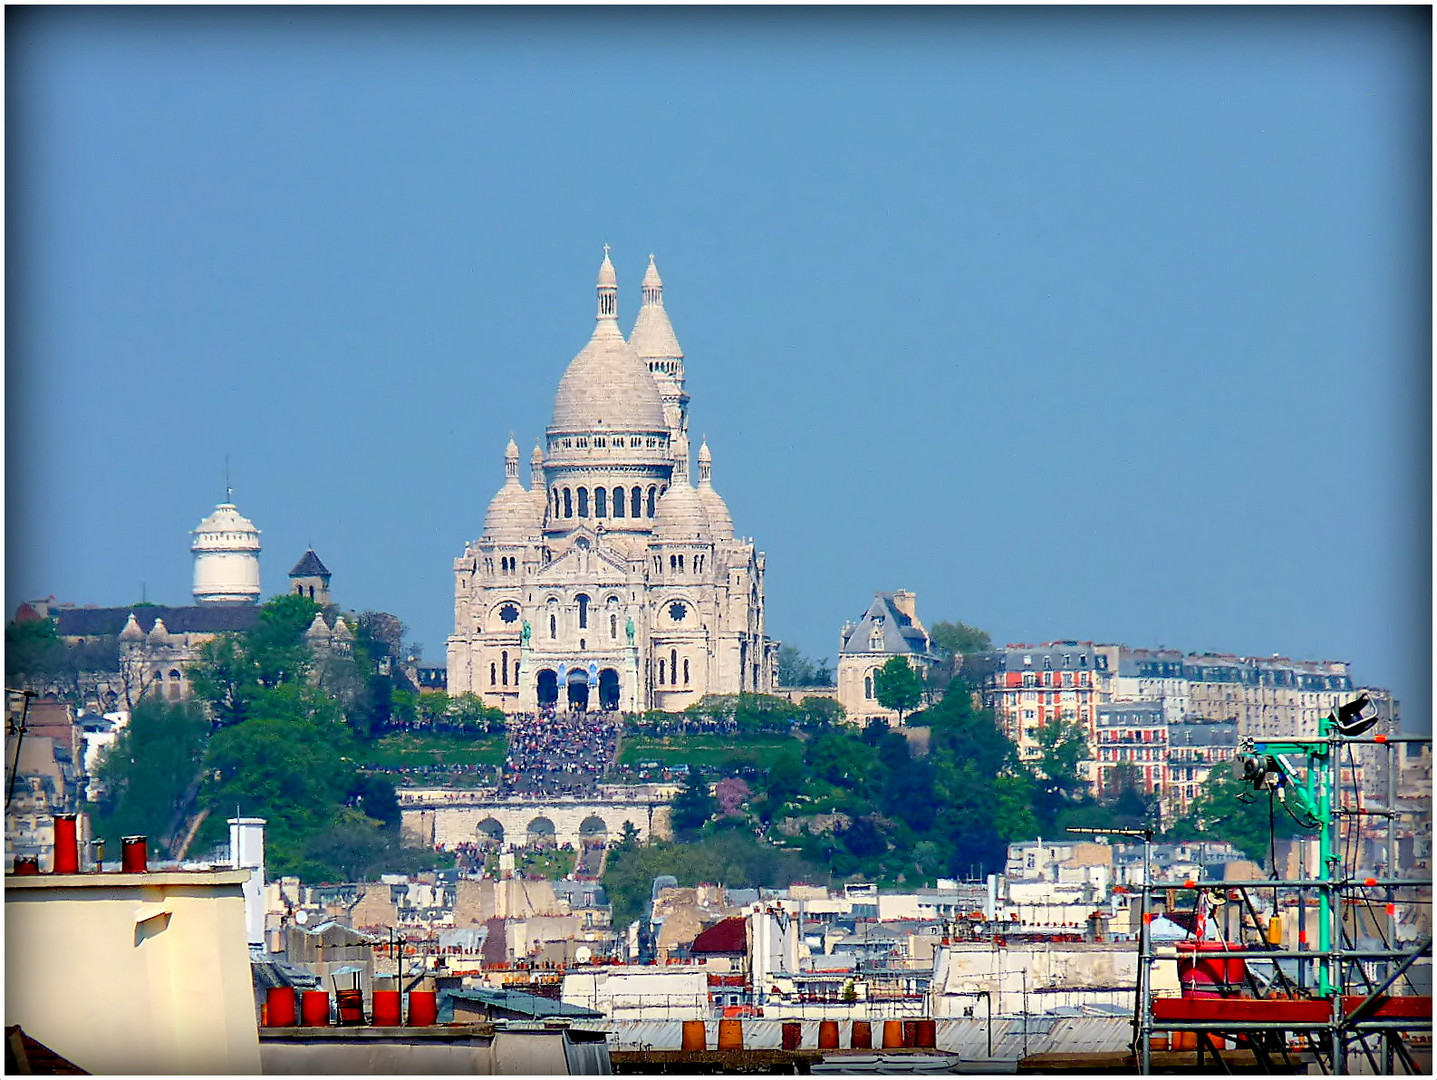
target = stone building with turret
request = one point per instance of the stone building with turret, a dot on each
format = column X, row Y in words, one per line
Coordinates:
column 612, row 581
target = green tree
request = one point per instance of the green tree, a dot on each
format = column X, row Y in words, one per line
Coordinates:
column 959, row 639
column 1228, row 809
column 796, row 669
column 694, row 804
column 149, row 776
column 34, row 654
column 1062, row 747
column 819, row 712
column 898, row 686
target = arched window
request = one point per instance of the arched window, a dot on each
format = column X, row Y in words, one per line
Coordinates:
column 618, row 502
column 868, row 686
column 651, row 501
column 516, row 673
column 661, row 672
column 674, row 664
column 614, row 627
column 686, row 670
column 493, row 674
column 311, row 592
column 583, row 602
column 601, row 502
column 681, row 564
column 553, row 627
column 673, row 562
column 299, row 590
column 556, row 502
column 568, row 503
column 583, row 502
column 636, row 500
column 504, row 659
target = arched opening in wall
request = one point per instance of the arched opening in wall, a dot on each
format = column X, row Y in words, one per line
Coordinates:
column 578, row 684
column 299, row 590
column 601, row 502
column 618, row 502
column 489, row 833
column 583, row 601
column 583, row 502
column 609, row 689
column 548, row 687
column 504, row 670
column 868, row 687
column 635, row 506
column 568, row 503
column 311, row 592
column 541, row 833
column 650, row 505
column 592, row 830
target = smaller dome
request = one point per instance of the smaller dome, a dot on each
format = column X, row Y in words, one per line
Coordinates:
column 513, row 514
column 680, row 514
column 132, row 631
column 712, row 500
column 158, row 631
column 608, row 279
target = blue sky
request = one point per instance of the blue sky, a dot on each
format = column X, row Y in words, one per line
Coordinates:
column 1111, row 325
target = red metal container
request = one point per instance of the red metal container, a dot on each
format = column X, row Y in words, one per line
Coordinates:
column 1201, row 974
column 26, row 864
column 350, row 1006
column 67, row 847
column 387, row 1004
column 792, row 1034
column 892, row 1034
column 423, row 1008
column 314, row 1008
column 279, row 1006
column 910, row 1032
column 861, row 1037
column 828, row 1034
column 926, row 1035
column 133, row 856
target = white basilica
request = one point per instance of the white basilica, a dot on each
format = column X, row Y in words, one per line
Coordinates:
column 611, row 581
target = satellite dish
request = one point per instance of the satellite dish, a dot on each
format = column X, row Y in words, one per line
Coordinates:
column 301, row 917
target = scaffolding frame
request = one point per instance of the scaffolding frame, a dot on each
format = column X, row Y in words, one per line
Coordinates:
column 1353, row 983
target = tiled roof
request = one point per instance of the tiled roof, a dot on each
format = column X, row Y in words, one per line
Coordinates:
column 309, row 566
column 201, row 619
column 729, row 936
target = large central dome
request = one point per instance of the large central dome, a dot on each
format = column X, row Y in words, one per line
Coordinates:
column 607, row 387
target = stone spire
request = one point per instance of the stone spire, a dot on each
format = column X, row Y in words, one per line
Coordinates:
column 658, row 347
column 608, row 288
column 511, row 461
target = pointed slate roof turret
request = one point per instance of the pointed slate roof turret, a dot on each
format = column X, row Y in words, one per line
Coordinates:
column 310, row 566
column 132, row 631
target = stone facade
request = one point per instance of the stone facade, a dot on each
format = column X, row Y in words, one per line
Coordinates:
column 611, row 581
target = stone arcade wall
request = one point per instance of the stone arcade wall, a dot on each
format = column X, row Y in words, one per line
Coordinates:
column 453, row 818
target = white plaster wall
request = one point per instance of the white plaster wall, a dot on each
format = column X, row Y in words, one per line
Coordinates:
column 130, row 973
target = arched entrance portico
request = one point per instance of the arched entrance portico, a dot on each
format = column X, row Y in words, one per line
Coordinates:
column 548, row 687
column 541, row 833
column 592, row 828
column 490, row 831
column 609, row 689
column 578, row 684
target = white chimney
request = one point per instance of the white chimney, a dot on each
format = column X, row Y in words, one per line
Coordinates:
column 247, row 852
